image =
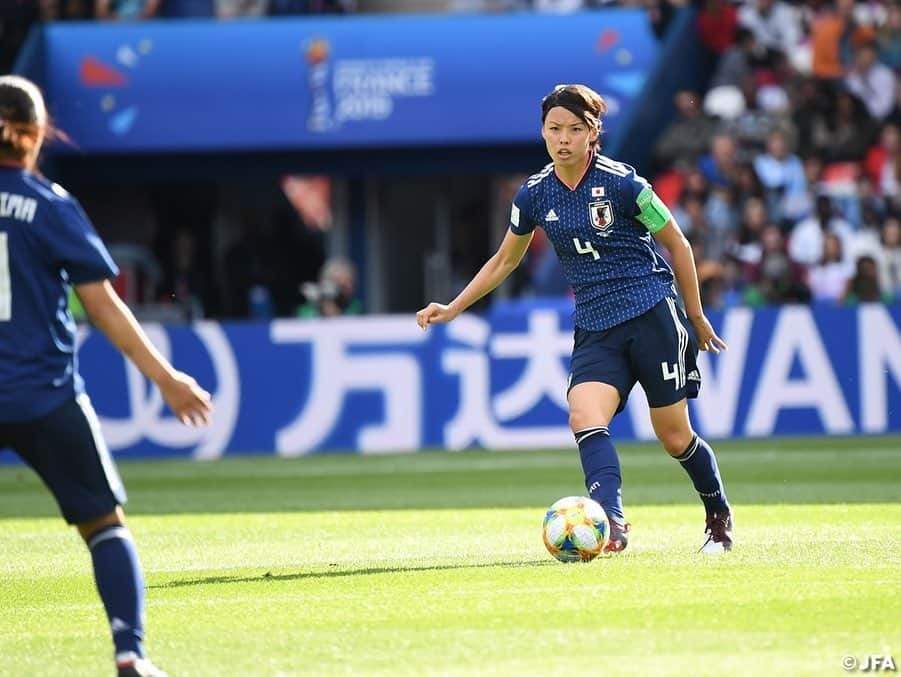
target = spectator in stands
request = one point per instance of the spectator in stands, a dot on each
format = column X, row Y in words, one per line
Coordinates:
column 813, row 172
column 891, row 248
column 126, row 10
column 710, row 283
column 717, row 25
column 776, row 278
column 748, row 248
column 686, row 138
column 888, row 38
column 720, row 166
column 831, row 33
column 747, row 186
column 871, row 81
column 828, row 279
column 882, row 159
column 775, row 24
column 721, row 217
column 806, row 244
column 734, row 67
column 865, row 208
column 864, row 285
column 690, row 215
column 335, row 293
column 762, row 115
column 782, row 176
column 721, row 282
column 810, row 101
column 845, row 132
column 695, row 184
column 885, row 162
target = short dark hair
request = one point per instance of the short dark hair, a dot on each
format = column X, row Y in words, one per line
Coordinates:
column 581, row 101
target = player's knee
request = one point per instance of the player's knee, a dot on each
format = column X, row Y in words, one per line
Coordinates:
column 675, row 441
column 87, row 529
column 581, row 418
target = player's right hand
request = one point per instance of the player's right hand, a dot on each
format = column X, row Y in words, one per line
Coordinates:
column 190, row 403
column 434, row 313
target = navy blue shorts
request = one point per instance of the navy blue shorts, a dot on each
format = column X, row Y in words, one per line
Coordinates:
column 67, row 451
column 657, row 349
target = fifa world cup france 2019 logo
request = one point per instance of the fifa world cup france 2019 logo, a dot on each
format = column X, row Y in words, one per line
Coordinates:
column 317, row 52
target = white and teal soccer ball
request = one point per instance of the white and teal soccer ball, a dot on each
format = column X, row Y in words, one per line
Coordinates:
column 575, row 529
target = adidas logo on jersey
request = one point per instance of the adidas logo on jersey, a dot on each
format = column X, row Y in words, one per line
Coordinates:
column 551, row 216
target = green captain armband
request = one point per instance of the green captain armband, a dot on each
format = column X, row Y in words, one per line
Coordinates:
column 652, row 212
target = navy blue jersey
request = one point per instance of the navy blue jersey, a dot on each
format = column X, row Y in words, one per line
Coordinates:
column 47, row 244
column 607, row 255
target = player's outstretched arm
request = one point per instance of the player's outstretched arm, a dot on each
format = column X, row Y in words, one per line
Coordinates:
column 190, row 403
column 674, row 240
column 496, row 269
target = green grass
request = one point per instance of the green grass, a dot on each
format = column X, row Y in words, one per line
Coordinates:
column 432, row 563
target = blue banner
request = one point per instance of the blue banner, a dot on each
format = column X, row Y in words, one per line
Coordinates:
column 380, row 384
column 347, row 82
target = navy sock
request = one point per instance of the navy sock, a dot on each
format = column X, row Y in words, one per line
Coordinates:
column 600, row 464
column 121, row 586
column 700, row 464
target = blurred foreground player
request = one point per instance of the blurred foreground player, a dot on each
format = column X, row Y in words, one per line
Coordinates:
column 48, row 245
column 600, row 216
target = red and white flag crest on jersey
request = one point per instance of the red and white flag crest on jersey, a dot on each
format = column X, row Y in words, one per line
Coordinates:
column 601, row 215
column 597, row 191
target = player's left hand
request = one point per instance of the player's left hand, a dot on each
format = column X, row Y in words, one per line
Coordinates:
column 707, row 338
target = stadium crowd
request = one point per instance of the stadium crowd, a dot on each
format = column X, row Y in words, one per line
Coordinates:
column 785, row 173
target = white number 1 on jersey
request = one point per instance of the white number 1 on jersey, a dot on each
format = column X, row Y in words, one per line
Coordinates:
column 6, row 290
column 586, row 248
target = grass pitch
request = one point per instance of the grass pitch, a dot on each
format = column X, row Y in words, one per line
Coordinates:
column 432, row 563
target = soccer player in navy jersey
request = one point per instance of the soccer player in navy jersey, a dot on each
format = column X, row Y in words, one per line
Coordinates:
column 603, row 219
column 47, row 246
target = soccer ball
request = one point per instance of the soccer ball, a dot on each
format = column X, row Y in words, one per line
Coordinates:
column 575, row 529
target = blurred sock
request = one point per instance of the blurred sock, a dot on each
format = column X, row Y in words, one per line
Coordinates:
column 121, row 586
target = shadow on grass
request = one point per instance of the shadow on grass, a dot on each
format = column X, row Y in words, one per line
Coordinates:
column 336, row 573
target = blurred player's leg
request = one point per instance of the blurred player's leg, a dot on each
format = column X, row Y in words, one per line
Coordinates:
column 67, row 451
column 120, row 582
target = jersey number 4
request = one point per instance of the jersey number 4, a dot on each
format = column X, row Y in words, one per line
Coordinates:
column 586, row 248
column 6, row 290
